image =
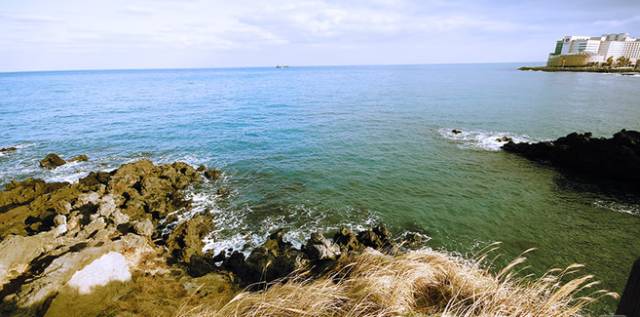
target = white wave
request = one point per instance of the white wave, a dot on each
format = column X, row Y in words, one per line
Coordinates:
column 625, row 208
column 481, row 140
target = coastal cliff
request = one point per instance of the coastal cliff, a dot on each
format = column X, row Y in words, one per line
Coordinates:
column 124, row 243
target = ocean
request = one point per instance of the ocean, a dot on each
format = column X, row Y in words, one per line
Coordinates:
column 315, row 148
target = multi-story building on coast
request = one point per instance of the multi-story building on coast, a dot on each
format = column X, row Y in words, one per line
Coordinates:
column 584, row 50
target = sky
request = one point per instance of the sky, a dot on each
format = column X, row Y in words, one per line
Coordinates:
column 116, row 34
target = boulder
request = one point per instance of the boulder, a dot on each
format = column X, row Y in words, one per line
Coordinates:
column 274, row 259
column 347, row 240
column 144, row 227
column 613, row 158
column 377, row 237
column 319, row 248
column 52, row 161
column 456, row 131
column 212, row 174
column 185, row 241
column 79, row 158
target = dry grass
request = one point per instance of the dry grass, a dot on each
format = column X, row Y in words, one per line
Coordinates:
column 418, row 283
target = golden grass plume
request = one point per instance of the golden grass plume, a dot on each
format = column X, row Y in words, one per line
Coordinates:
column 417, row 283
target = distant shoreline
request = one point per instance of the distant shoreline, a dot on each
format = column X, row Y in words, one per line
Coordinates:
column 588, row 69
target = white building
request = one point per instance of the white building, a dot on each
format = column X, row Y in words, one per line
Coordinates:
column 599, row 48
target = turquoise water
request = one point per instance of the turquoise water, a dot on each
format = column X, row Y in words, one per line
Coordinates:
column 314, row 148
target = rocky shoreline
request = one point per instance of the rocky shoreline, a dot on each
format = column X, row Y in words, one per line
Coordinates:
column 616, row 158
column 121, row 232
column 585, row 69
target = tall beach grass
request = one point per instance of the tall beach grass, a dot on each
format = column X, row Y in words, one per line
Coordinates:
column 417, row 283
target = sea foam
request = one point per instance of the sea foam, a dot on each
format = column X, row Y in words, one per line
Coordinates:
column 480, row 139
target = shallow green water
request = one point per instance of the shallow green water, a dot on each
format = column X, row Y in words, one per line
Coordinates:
column 315, row 148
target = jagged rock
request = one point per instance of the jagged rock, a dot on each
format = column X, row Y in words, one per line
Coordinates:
column 272, row 260
column 141, row 188
column 19, row 193
column 79, row 158
column 52, row 161
column 347, row 240
column 107, row 206
column 186, row 239
column 119, row 218
column 144, row 227
column 377, row 238
column 51, row 232
column 613, row 158
column 87, row 198
column 212, row 174
column 319, row 248
column 94, row 179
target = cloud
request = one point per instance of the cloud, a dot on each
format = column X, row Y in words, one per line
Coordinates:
column 250, row 32
column 618, row 22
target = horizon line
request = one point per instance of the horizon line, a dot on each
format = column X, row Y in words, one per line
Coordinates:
column 245, row 67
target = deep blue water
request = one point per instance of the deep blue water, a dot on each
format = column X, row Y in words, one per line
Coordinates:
column 313, row 148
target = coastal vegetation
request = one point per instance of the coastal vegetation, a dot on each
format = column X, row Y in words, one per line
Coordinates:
column 127, row 243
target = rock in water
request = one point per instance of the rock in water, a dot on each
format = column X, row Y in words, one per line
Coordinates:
column 614, row 158
column 212, row 174
column 52, row 161
column 456, row 131
column 504, row 139
column 79, row 158
column 8, row 149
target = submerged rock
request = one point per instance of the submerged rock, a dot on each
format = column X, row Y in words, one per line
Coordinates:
column 456, row 131
column 52, row 161
column 504, row 139
column 8, row 149
column 614, row 158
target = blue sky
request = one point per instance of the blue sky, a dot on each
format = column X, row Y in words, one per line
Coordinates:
column 80, row 34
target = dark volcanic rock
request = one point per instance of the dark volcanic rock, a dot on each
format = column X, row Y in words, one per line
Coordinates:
column 614, row 158
column 347, row 240
column 377, row 237
column 8, row 149
column 52, row 161
column 274, row 259
column 319, row 248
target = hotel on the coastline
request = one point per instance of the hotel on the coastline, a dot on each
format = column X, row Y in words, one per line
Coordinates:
column 583, row 50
